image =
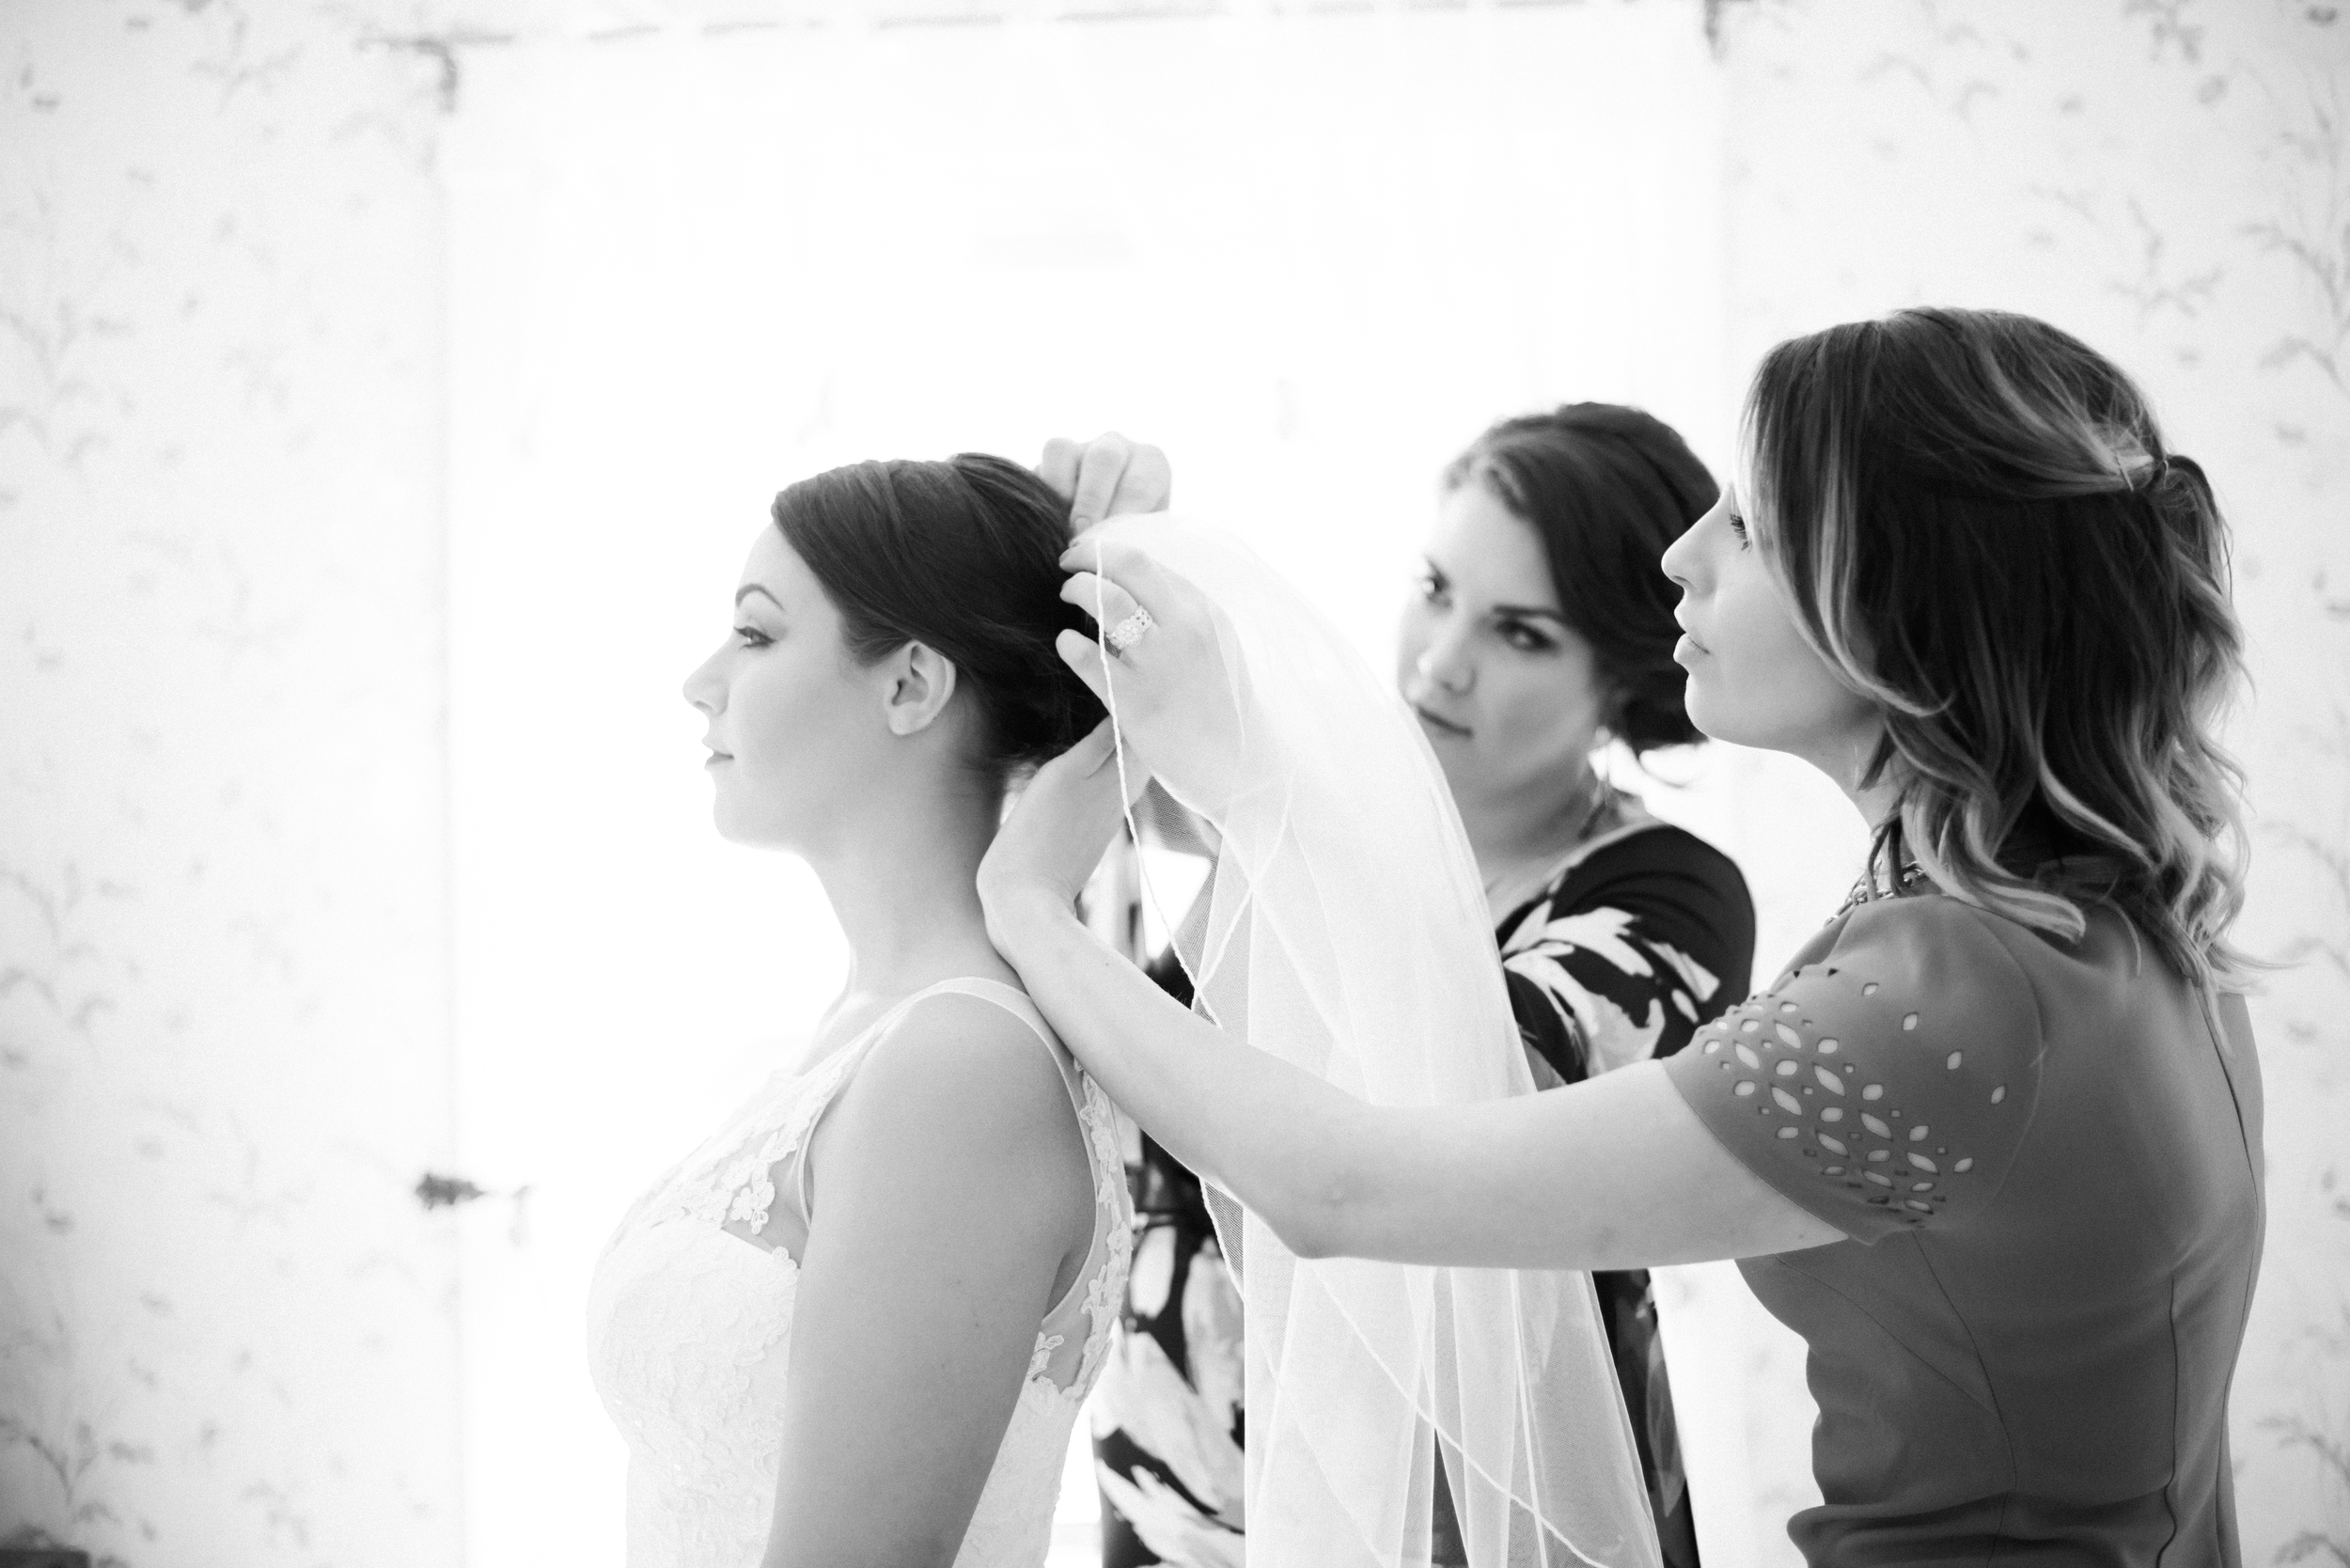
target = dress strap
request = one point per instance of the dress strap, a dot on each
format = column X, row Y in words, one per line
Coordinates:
column 1010, row 999
column 1016, row 1002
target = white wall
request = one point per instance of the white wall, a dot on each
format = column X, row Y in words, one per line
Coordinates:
column 226, row 1332
column 2172, row 181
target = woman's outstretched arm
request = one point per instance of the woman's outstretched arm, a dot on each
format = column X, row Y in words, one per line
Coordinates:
column 1614, row 1173
column 1617, row 1172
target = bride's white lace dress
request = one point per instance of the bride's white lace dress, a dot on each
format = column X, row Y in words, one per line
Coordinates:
column 689, row 1326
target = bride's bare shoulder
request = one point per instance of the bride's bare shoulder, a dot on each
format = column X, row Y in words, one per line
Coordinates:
column 961, row 1076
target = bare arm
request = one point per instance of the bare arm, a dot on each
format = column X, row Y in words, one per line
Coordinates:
column 950, row 1196
column 1613, row 1173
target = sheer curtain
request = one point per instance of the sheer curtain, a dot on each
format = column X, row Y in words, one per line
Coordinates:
column 1311, row 255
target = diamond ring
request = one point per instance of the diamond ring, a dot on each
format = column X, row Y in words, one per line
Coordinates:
column 1129, row 631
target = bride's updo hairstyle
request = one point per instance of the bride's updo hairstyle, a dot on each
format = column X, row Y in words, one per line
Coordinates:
column 963, row 557
column 1980, row 529
column 1606, row 489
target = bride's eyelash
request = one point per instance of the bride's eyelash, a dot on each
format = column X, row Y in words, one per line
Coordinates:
column 1738, row 529
column 751, row 637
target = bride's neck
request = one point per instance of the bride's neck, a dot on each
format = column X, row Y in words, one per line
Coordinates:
column 904, row 884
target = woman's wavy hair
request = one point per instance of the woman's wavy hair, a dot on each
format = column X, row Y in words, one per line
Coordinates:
column 1605, row 488
column 964, row 557
column 1981, row 530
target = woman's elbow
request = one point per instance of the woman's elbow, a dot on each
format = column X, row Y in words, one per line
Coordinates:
column 1304, row 1240
column 1320, row 1195
column 1320, row 1221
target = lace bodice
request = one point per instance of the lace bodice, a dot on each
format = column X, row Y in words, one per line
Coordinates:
column 689, row 1327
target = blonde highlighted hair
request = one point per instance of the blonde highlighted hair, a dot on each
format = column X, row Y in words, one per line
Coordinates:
column 1980, row 529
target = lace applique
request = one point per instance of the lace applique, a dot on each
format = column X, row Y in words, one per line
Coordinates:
column 734, row 1183
column 1045, row 1345
column 1107, row 1289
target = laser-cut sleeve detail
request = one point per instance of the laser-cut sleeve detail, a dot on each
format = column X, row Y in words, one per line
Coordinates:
column 1886, row 1081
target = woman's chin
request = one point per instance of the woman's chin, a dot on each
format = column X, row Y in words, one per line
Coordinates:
column 726, row 816
column 1718, row 720
column 756, row 830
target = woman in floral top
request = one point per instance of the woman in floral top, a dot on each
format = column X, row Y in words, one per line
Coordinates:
column 1540, row 630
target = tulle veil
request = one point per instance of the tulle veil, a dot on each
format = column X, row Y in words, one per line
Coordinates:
column 1345, row 930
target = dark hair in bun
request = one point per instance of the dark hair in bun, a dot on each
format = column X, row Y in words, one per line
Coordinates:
column 964, row 557
column 1605, row 488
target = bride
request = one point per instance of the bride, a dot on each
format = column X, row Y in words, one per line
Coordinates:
column 855, row 1324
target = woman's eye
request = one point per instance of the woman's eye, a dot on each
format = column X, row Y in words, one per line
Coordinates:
column 1737, row 529
column 751, row 637
column 1431, row 588
column 1525, row 638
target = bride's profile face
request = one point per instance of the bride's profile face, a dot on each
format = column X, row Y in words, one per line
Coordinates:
column 791, row 716
column 1506, row 691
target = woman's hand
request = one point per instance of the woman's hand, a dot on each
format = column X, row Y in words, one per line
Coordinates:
column 1055, row 835
column 1108, row 476
column 1176, row 691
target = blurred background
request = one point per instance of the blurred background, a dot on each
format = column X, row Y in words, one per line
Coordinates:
column 388, row 393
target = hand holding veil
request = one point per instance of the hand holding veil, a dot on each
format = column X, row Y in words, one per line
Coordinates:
column 1345, row 934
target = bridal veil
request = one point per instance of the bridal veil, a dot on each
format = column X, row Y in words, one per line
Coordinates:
column 1345, row 930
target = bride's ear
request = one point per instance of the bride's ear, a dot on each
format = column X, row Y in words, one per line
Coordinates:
column 921, row 679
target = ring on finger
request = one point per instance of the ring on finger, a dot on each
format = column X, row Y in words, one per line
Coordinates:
column 1129, row 631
